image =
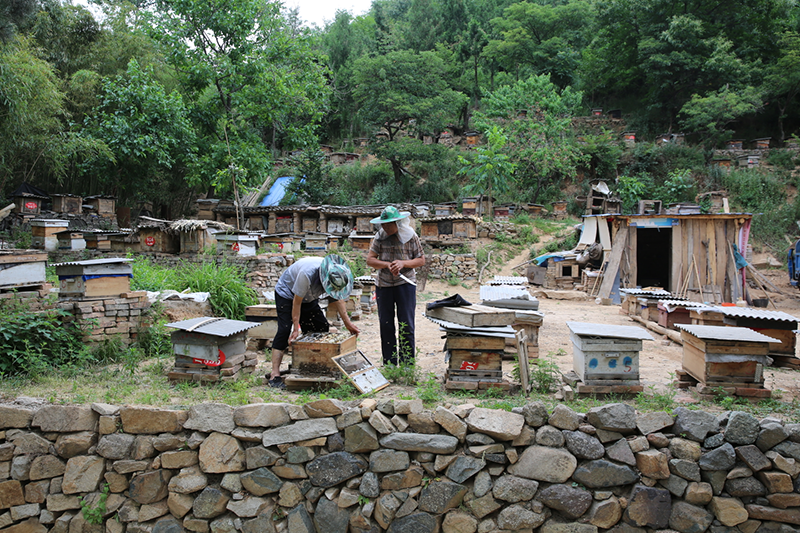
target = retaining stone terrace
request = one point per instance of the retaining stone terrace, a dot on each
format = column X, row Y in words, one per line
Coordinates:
column 264, row 270
column 332, row 467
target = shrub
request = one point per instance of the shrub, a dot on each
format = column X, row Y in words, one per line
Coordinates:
column 32, row 342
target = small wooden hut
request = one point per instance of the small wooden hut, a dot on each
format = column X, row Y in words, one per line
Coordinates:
column 681, row 253
column 198, row 235
column 156, row 236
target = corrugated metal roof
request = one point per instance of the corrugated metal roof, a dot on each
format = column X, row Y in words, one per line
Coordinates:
column 672, row 302
column 220, row 327
column 489, row 331
column 509, row 280
column 655, row 294
column 95, row 261
column 502, row 292
column 725, row 333
column 609, row 330
column 749, row 312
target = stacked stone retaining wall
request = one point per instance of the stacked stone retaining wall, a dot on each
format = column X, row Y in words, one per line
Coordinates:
column 370, row 466
column 264, row 270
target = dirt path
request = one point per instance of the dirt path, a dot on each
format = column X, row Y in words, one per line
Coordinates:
column 658, row 361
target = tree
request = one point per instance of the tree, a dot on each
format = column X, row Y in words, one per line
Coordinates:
column 709, row 116
column 149, row 134
column 405, row 94
column 35, row 144
column 659, row 54
column 783, row 77
column 14, row 13
column 254, row 83
column 536, row 118
column 490, row 171
column 546, row 37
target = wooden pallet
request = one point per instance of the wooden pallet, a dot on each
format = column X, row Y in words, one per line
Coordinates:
column 573, row 385
column 303, row 382
column 743, row 389
column 475, row 380
column 785, row 361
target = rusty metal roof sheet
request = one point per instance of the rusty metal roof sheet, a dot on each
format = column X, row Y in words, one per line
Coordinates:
column 725, row 333
column 218, row 327
column 750, row 312
column 608, row 330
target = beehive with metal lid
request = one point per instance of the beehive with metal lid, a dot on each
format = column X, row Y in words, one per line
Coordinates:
column 208, row 348
column 606, row 352
column 94, row 278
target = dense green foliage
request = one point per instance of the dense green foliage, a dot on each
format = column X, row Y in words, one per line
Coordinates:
column 32, row 342
column 159, row 100
column 224, row 282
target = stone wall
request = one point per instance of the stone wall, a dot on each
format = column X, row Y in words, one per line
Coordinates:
column 122, row 317
column 372, row 466
column 443, row 266
column 264, row 270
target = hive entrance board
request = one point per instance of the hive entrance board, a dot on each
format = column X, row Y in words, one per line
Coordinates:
column 361, row 372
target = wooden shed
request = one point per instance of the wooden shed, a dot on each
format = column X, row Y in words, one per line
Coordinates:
column 198, row 235
column 156, row 236
column 681, row 253
column 104, row 206
column 27, row 203
column 66, row 203
column 453, row 229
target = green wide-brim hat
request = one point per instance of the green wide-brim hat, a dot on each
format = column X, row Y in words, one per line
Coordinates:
column 336, row 277
column 390, row 214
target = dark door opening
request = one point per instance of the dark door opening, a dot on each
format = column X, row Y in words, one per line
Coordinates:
column 653, row 257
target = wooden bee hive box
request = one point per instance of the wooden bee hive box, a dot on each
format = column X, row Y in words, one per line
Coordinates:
column 312, row 353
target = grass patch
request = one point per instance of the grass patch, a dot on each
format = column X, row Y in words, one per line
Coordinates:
column 225, row 283
column 403, row 374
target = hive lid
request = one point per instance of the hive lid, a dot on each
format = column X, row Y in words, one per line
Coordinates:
column 608, row 330
column 219, row 327
column 725, row 333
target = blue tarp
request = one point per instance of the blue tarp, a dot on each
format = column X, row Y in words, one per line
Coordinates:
column 277, row 191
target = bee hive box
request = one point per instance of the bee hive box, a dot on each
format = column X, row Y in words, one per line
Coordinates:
column 312, row 354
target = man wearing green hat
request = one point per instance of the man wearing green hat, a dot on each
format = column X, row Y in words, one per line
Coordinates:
column 395, row 252
column 297, row 302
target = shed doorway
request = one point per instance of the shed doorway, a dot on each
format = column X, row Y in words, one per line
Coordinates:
column 653, row 257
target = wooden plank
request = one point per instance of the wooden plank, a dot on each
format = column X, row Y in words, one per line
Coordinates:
column 475, row 360
column 630, row 259
column 678, row 253
column 611, row 272
column 608, row 389
column 524, row 371
column 460, row 385
column 720, row 254
column 474, row 315
column 25, row 257
column 474, row 342
column 296, row 382
column 262, row 310
column 23, row 274
column 486, row 385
